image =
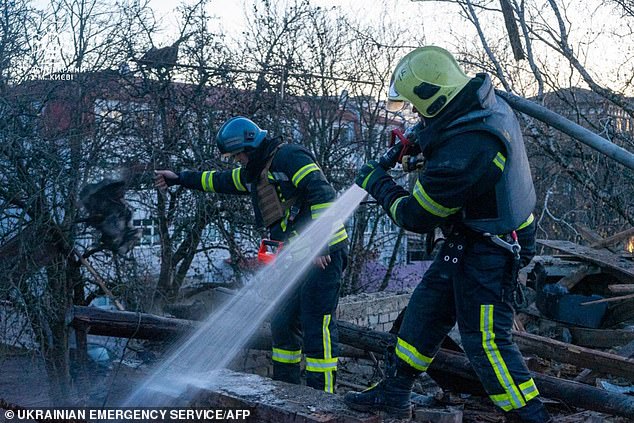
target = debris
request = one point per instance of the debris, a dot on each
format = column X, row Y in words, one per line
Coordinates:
column 110, row 214
column 610, row 387
column 556, row 303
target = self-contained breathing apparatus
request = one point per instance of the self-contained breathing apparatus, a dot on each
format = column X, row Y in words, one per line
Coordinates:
column 404, row 149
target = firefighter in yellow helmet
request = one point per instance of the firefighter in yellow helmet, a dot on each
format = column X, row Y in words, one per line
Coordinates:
column 477, row 186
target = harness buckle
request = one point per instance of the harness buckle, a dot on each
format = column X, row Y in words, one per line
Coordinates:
column 514, row 247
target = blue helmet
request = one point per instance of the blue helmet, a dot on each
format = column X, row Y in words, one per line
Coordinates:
column 239, row 134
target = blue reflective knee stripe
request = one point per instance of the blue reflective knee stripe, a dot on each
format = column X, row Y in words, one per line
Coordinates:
column 495, row 357
column 411, row 356
column 286, row 356
column 529, row 389
column 207, row 181
column 235, row 175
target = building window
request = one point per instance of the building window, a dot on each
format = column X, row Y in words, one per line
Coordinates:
column 415, row 248
column 150, row 234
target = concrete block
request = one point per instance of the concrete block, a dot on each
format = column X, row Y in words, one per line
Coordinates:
column 384, row 318
column 271, row 401
column 373, row 319
column 437, row 415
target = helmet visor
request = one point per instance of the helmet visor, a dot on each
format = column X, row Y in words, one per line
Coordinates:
column 394, row 105
column 394, row 100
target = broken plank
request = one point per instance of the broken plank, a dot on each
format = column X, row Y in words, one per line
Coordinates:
column 614, row 238
column 588, row 376
column 601, row 258
column 621, row 288
column 618, row 313
column 573, row 354
column 600, row 338
column 574, row 278
column 609, row 300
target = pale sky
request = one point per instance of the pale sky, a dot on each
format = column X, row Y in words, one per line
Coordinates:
column 599, row 36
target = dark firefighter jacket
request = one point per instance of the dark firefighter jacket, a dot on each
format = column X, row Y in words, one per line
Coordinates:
column 462, row 181
column 294, row 174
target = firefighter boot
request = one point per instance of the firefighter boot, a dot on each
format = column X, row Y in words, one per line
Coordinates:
column 391, row 395
column 287, row 372
column 533, row 412
column 322, row 381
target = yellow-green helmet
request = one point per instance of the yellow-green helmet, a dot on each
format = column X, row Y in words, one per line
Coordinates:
column 429, row 78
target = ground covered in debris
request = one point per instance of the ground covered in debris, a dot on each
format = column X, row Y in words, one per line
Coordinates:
column 24, row 383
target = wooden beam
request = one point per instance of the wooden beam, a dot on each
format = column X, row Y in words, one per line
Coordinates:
column 601, row 258
column 574, row 278
column 618, row 313
column 573, row 354
column 614, row 238
column 621, row 288
column 127, row 324
column 588, row 376
column 609, row 300
column 600, row 338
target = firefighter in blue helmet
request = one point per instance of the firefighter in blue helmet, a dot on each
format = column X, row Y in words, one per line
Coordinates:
column 477, row 186
column 288, row 190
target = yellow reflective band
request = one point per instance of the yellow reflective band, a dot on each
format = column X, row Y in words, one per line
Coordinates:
column 528, row 221
column 207, row 181
column 339, row 236
column 317, row 209
column 286, row 356
column 411, row 356
column 326, row 336
column 367, row 178
column 499, row 160
column 502, row 401
column 321, row 365
column 301, row 173
column 329, row 385
column 529, row 389
column 283, row 223
column 394, row 206
column 235, row 174
column 495, row 358
column 430, row 205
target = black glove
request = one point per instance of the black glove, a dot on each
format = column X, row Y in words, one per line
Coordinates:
column 390, row 158
column 369, row 174
column 173, row 181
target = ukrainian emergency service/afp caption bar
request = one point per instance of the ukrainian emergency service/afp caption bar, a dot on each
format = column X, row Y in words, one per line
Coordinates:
column 130, row 415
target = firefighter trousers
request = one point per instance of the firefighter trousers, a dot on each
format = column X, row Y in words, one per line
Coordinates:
column 470, row 283
column 306, row 319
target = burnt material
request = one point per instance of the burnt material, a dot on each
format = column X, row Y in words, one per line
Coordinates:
column 110, row 214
